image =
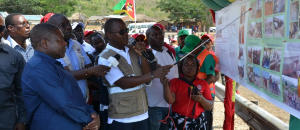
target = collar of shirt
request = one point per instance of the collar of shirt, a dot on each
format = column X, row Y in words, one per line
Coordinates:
column 46, row 57
column 69, row 46
column 5, row 41
column 3, row 48
column 14, row 44
column 123, row 53
column 116, row 49
column 164, row 49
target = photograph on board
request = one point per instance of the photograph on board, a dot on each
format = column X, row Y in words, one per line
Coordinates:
column 268, row 7
column 241, row 34
column 293, row 32
column 254, row 53
column 291, row 60
column 258, row 30
column 279, row 6
column 271, row 59
column 278, row 24
column 290, row 93
column 243, row 16
column 251, row 29
column 268, row 27
column 294, row 11
column 258, row 9
column 254, row 75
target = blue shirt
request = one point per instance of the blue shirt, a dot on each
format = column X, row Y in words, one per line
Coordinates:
column 52, row 98
column 71, row 54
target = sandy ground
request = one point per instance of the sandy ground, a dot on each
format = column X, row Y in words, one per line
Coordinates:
column 239, row 124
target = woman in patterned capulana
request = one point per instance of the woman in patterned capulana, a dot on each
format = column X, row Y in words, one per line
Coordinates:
column 189, row 97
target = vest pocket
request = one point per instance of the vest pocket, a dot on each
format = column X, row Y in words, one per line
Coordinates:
column 127, row 105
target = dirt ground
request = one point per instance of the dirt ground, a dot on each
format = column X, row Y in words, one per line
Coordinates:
column 239, row 124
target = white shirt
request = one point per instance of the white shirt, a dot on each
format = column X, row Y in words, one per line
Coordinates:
column 5, row 41
column 26, row 53
column 87, row 47
column 114, row 75
column 155, row 92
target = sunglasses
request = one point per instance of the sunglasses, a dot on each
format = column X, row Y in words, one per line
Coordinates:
column 123, row 31
column 2, row 28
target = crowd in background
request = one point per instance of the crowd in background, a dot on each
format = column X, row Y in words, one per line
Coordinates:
column 59, row 76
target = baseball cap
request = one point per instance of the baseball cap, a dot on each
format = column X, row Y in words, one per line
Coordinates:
column 138, row 35
column 205, row 36
column 190, row 42
column 182, row 33
column 46, row 17
column 87, row 33
column 162, row 27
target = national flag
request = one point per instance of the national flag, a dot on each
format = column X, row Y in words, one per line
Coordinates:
column 125, row 6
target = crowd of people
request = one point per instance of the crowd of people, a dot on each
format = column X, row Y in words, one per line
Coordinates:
column 58, row 76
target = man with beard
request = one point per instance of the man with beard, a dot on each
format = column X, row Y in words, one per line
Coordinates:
column 158, row 107
column 18, row 29
column 76, row 60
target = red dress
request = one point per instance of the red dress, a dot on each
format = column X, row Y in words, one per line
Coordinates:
column 183, row 104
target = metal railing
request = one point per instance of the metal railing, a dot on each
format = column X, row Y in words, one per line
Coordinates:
column 256, row 117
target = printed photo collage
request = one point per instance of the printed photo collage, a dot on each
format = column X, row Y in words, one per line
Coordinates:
column 266, row 22
column 291, row 74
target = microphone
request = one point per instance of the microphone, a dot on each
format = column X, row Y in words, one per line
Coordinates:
column 147, row 54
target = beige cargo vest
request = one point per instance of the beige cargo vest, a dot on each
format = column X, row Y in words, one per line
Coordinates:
column 127, row 104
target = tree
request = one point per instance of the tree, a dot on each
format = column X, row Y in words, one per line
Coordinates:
column 186, row 10
column 37, row 6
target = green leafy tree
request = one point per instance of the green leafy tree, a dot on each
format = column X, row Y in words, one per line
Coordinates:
column 186, row 10
column 37, row 6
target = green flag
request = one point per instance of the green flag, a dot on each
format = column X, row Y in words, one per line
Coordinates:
column 119, row 8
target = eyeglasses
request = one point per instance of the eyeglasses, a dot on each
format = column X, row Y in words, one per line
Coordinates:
column 123, row 31
column 2, row 28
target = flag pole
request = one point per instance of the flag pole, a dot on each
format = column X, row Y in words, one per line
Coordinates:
column 134, row 15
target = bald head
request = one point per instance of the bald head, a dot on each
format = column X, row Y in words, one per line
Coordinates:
column 63, row 24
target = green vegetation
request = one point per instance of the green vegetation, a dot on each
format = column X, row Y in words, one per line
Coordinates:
column 171, row 10
column 38, row 6
column 186, row 10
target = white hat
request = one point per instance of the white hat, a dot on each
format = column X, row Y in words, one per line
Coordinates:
column 75, row 24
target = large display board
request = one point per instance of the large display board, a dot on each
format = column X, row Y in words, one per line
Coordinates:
column 258, row 44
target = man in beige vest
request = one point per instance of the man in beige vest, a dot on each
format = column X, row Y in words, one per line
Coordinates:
column 128, row 107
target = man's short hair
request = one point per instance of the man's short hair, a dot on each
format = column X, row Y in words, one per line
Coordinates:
column 150, row 30
column 108, row 24
column 9, row 20
column 40, row 32
column 53, row 19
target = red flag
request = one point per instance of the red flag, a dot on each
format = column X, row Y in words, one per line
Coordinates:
column 229, row 102
column 130, row 8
